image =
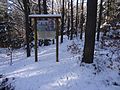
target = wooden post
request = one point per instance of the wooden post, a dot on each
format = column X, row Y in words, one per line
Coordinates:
column 57, row 40
column 35, row 27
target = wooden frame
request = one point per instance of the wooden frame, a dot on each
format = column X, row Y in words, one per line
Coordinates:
column 41, row 16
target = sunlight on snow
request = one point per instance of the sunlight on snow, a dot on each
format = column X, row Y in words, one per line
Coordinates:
column 27, row 72
column 44, row 55
column 65, row 80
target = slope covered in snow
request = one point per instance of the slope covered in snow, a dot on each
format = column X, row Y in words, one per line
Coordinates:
column 68, row 74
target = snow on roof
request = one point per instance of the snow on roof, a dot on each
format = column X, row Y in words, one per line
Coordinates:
column 45, row 16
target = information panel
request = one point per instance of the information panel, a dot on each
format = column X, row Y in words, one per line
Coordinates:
column 46, row 29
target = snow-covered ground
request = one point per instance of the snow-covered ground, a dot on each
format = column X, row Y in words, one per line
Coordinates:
column 68, row 74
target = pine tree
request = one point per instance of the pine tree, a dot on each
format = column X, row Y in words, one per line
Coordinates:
column 88, row 53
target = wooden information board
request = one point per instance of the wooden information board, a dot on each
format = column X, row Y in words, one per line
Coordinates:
column 38, row 17
column 46, row 29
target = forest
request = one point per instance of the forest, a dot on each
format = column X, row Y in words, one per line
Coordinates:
column 59, row 44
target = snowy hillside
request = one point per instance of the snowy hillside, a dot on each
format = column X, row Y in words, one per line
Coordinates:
column 68, row 74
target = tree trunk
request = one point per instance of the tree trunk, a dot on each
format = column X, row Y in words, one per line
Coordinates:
column 68, row 26
column 108, row 8
column 52, row 6
column 27, row 25
column 71, row 37
column 46, row 41
column 45, row 6
column 88, row 53
column 39, row 5
column 53, row 13
column 62, row 26
column 76, row 18
column 82, row 20
column 99, row 22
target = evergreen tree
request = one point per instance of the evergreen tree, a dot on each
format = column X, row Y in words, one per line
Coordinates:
column 88, row 53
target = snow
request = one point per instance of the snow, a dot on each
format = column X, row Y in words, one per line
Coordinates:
column 68, row 74
column 45, row 15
